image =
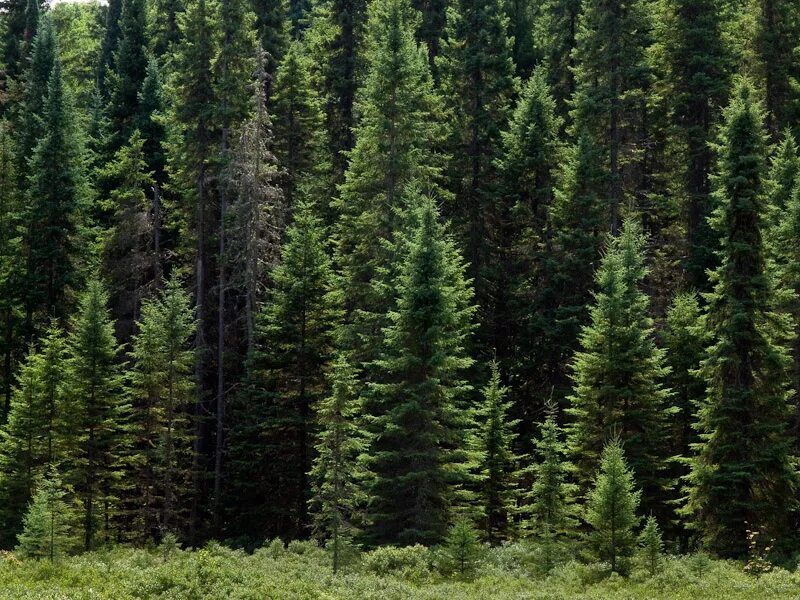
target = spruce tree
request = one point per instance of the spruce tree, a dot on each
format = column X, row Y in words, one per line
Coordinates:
column 694, row 63
column 611, row 511
column 498, row 465
column 48, row 530
column 102, row 416
column 54, row 189
column 150, row 120
column 478, row 85
column 557, row 32
column 272, row 25
column 652, row 547
column 419, row 454
column 14, row 27
column 301, row 142
column 462, row 547
column 162, row 27
column 548, row 508
column 618, row 375
column 527, row 164
column 393, row 156
column 130, row 71
column 38, row 433
column 336, row 472
column 742, row 476
column 612, row 81
column 162, row 390
column 108, row 48
column 128, row 253
column 287, row 379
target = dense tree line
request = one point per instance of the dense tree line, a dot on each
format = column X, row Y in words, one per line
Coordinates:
column 382, row 272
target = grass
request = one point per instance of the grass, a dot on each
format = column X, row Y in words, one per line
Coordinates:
column 302, row 572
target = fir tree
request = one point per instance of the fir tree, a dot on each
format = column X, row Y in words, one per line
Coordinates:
column 48, row 526
column 498, row 492
column 163, row 29
column 393, row 156
column 618, row 374
column 287, row 373
column 559, row 28
column 418, row 455
column 336, row 472
column 743, row 470
column 272, row 25
column 611, row 511
column 612, row 82
column 102, row 415
column 14, row 26
column 150, row 120
column 108, row 48
column 162, row 390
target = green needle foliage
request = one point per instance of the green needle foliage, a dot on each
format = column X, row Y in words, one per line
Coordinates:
column 652, row 547
column 48, row 530
column 611, row 510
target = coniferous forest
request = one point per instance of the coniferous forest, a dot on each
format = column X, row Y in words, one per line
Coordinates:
column 436, row 292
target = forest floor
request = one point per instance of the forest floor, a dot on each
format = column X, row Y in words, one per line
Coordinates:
column 303, row 572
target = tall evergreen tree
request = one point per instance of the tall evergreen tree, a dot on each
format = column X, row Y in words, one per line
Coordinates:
column 336, row 471
column 612, row 509
column 287, row 376
column 421, row 422
column 393, row 156
column 478, row 84
column 128, row 254
column 742, row 477
column 558, row 30
column 102, row 415
column 54, row 189
column 108, row 48
column 618, row 375
column 612, row 81
column 273, row 26
column 162, row 390
column 130, row 71
column 498, row 492
column 301, row 142
column 694, row 64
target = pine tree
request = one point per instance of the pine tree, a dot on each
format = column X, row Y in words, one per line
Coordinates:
column 418, row 455
column 102, row 415
column 336, row 472
column 612, row 82
column 162, row 390
column 37, row 435
column 48, row 526
column 618, row 375
column 393, row 157
column 743, row 473
column 301, row 143
column 694, row 61
column 128, row 250
column 287, row 374
column 54, row 189
column 548, row 509
column 611, row 511
column 652, row 546
column 498, row 492
column 478, row 84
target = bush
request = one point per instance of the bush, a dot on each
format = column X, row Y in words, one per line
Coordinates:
column 410, row 562
column 302, row 547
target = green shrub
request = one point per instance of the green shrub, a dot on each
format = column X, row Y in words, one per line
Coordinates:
column 412, row 562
